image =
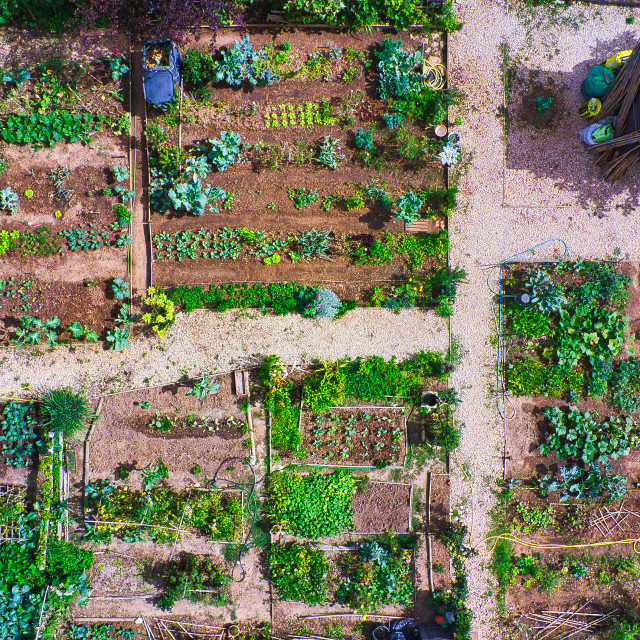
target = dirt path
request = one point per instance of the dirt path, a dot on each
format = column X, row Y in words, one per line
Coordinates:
column 140, row 250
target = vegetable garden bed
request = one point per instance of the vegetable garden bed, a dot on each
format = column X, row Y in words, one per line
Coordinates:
column 178, row 428
column 571, row 454
column 354, row 436
column 66, row 227
column 318, row 179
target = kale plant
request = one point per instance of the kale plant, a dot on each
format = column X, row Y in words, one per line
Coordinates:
column 120, row 288
column 400, row 71
column 409, row 206
column 585, row 484
column 120, row 173
column 241, row 62
column 9, row 200
column 203, row 388
column 546, row 295
column 329, row 153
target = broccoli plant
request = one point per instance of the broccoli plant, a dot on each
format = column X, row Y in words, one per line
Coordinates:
column 189, row 196
column 241, row 62
column 152, row 476
column 400, row 72
column 118, row 68
column 409, row 206
column 120, row 173
column 364, row 139
column 224, row 150
column 203, row 388
column 120, row 288
column 198, row 165
column 117, row 338
column 9, row 200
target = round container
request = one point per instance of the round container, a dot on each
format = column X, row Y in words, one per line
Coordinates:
column 441, row 131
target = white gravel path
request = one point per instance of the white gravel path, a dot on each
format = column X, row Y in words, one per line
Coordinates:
column 204, row 341
column 544, row 187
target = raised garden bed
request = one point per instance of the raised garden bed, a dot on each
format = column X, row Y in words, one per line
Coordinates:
column 204, row 431
column 257, row 234
column 354, row 436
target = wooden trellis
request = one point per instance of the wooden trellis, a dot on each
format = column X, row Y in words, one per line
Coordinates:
column 9, row 524
column 562, row 625
column 610, row 520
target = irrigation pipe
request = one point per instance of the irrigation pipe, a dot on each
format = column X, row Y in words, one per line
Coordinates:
column 535, row 545
column 501, row 266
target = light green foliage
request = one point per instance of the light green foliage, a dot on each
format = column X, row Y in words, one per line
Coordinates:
column 152, row 476
column 224, row 150
column 189, row 196
column 156, row 134
column 120, row 173
column 118, row 338
column 530, row 377
column 299, row 572
column 578, row 435
column 311, row 506
column 118, row 68
column 50, row 128
column 533, row 518
column 594, row 332
column 528, row 321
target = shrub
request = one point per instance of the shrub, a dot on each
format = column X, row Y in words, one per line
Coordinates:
column 156, row 134
column 299, row 572
column 198, row 68
column 319, row 303
column 64, row 411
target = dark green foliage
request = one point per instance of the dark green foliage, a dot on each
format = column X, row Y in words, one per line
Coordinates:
column 188, row 577
column 18, row 433
column 198, row 68
column 380, row 575
column 624, row 386
column 604, row 283
column 427, row 364
column 365, row 13
column 427, row 107
column 17, row 566
column 66, row 562
column 444, row 283
column 64, row 411
column 374, row 377
column 299, row 572
column 51, row 14
column 313, row 506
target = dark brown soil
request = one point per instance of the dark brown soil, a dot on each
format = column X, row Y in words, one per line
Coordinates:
column 122, row 435
column 439, row 520
column 380, row 507
column 93, row 306
column 361, row 447
column 261, row 200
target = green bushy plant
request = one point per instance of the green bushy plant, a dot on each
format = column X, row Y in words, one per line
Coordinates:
column 299, row 572
column 528, row 321
column 329, row 153
column 64, row 411
column 409, row 206
column 50, row 128
column 198, row 68
column 311, row 506
column 579, row 435
column 624, row 385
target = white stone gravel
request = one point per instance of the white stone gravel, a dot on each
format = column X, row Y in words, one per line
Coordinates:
column 544, row 187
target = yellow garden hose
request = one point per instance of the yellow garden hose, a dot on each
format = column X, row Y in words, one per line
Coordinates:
column 433, row 75
column 534, row 545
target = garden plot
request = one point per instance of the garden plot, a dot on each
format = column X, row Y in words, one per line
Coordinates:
column 305, row 190
column 147, row 576
column 188, row 433
column 346, row 436
column 64, row 204
column 571, row 455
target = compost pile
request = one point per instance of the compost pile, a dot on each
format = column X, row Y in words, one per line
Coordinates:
column 621, row 102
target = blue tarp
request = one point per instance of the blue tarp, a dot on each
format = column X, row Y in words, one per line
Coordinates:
column 159, row 81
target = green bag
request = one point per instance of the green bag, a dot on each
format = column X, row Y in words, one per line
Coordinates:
column 597, row 83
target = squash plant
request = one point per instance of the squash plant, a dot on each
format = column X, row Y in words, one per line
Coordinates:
column 578, row 435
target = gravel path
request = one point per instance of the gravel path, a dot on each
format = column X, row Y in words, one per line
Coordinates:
column 536, row 187
column 204, row 341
